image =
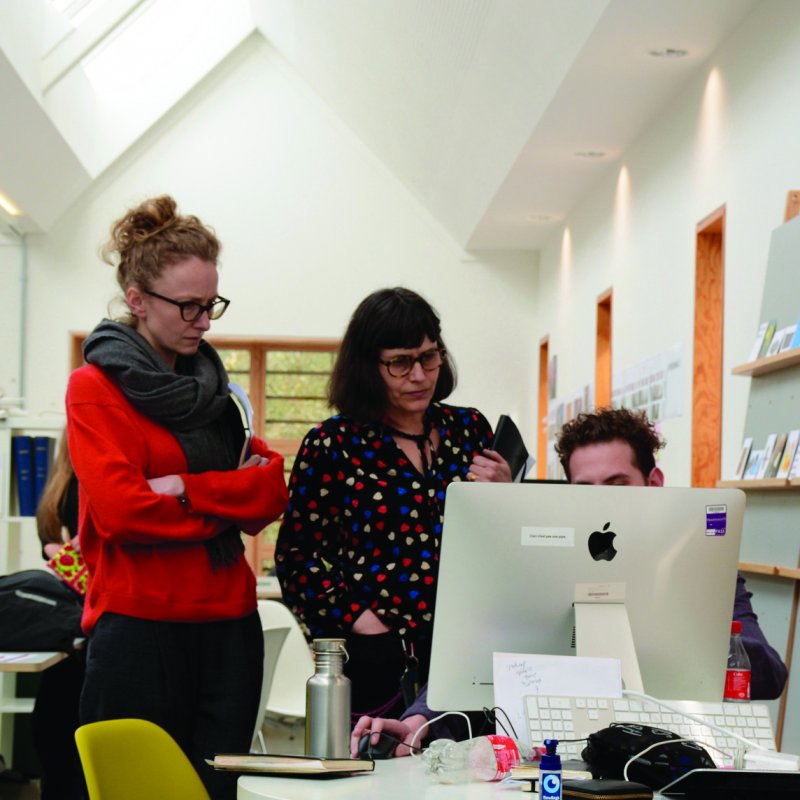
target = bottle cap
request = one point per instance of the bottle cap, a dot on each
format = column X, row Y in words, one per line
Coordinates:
column 736, row 626
column 550, row 760
column 328, row 645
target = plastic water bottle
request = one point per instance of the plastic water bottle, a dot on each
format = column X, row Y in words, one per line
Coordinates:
column 484, row 758
column 737, row 676
column 550, row 772
column 328, row 702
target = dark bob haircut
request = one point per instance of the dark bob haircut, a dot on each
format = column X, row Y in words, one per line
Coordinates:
column 386, row 319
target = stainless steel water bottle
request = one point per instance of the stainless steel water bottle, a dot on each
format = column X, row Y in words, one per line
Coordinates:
column 328, row 702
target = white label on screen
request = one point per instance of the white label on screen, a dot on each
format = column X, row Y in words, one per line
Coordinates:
column 548, row 537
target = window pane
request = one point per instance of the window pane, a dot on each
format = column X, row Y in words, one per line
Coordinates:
column 296, row 385
column 299, row 361
column 237, row 365
column 295, row 392
column 289, row 430
column 295, row 410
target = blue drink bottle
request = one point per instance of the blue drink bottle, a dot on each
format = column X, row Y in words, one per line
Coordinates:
column 550, row 772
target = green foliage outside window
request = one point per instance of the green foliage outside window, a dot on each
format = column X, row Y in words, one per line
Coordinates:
column 294, row 390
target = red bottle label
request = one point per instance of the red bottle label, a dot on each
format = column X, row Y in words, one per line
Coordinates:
column 737, row 684
column 505, row 752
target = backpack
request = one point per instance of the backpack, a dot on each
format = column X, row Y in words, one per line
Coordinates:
column 610, row 749
column 38, row 611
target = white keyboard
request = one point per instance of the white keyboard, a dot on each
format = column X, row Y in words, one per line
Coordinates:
column 566, row 718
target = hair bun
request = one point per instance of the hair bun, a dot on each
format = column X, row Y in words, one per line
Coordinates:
column 144, row 221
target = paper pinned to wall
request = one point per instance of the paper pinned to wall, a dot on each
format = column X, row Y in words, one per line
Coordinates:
column 517, row 675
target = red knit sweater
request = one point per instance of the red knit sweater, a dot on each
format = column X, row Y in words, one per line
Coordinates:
column 145, row 551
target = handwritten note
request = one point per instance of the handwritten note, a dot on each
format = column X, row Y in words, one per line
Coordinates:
column 517, row 675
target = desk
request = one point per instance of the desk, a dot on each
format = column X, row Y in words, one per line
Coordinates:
column 268, row 588
column 13, row 663
column 393, row 779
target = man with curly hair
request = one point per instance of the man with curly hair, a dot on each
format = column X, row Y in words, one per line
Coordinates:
column 608, row 447
column 618, row 447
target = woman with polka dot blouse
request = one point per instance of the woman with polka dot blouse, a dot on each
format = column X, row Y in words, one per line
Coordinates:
column 358, row 552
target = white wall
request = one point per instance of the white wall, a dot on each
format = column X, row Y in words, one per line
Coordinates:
column 730, row 139
column 10, row 281
column 310, row 223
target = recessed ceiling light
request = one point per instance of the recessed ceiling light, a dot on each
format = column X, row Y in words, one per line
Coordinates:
column 669, row 52
column 590, row 154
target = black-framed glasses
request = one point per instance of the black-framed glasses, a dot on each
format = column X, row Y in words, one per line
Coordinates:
column 400, row 366
column 192, row 311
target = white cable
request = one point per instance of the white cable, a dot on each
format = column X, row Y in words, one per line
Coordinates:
column 698, row 720
column 648, row 749
column 436, row 719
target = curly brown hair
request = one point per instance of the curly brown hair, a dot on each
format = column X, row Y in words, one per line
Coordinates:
column 607, row 425
column 153, row 236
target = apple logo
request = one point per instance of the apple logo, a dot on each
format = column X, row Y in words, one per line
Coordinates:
column 601, row 544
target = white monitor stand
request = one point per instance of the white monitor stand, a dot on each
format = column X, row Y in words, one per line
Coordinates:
column 603, row 629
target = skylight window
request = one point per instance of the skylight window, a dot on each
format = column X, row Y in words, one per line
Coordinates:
column 157, row 51
column 76, row 10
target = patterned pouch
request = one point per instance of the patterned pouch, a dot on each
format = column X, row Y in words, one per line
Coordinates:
column 69, row 565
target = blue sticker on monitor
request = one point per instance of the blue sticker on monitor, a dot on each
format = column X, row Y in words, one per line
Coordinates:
column 716, row 520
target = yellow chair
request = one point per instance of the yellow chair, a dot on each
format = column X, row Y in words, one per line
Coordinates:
column 133, row 759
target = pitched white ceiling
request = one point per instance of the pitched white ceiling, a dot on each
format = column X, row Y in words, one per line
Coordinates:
column 477, row 106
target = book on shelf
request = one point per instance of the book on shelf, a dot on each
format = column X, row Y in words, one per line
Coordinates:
column 22, row 449
column 276, row 764
column 772, row 326
column 509, row 443
column 775, row 345
column 753, row 465
column 43, row 449
column 787, row 338
column 789, row 453
column 796, row 338
column 766, row 455
column 744, row 455
column 794, row 472
column 776, row 456
column 762, row 332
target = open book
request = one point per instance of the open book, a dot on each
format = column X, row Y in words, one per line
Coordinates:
column 275, row 764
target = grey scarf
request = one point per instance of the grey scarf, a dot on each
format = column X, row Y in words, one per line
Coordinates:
column 193, row 403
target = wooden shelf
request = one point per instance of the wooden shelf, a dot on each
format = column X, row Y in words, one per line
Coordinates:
column 764, row 366
column 762, row 485
column 18, row 705
column 792, row 573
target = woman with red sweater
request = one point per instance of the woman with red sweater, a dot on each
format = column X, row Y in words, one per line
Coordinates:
column 166, row 485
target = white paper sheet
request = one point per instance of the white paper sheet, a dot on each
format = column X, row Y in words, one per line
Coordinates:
column 517, row 675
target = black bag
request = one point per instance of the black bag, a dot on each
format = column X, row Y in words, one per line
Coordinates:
column 610, row 749
column 38, row 611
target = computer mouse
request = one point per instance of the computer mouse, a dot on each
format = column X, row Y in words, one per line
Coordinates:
column 383, row 749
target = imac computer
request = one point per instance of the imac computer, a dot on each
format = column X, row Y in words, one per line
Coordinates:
column 520, row 562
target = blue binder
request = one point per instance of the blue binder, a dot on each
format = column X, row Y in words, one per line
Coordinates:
column 22, row 448
column 43, row 448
